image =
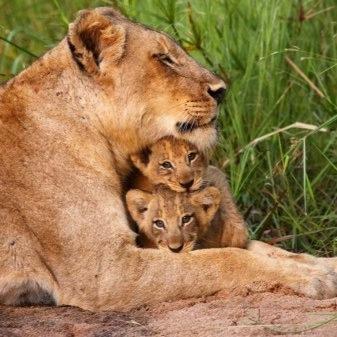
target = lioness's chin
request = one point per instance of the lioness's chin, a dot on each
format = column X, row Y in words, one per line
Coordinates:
column 202, row 138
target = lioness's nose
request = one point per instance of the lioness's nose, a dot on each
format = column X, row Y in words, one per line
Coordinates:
column 217, row 91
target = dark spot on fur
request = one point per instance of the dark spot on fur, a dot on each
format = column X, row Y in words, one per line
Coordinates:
column 145, row 155
column 206, row 207
column 142, row 210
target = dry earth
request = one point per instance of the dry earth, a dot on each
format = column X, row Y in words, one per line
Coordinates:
column 244, row 315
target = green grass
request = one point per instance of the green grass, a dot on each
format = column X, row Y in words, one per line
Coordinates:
column 286, row 183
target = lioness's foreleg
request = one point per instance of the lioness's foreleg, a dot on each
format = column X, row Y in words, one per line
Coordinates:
column 273, row 251
column 148, row 276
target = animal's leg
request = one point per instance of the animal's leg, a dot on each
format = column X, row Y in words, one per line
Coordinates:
column 148, row 276
column 272, row 251
column 24, row 275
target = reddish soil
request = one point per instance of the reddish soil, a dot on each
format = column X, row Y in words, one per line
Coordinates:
column 244, row 315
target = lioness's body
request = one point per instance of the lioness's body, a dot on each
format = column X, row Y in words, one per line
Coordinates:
column 67, row 126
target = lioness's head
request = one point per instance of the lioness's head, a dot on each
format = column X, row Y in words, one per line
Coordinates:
column 173, row 162
column 146, row 82
column 173, row 220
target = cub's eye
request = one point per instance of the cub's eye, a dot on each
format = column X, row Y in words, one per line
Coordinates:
column 186, row 219
column 159, row 224
column 165, row 58
column 191, row 156
column 166, row 165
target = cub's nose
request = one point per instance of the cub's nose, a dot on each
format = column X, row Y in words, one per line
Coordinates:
column 176, row 249
column 188, row 184
column 217, row 91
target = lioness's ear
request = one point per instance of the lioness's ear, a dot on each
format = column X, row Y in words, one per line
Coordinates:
column 94, row 39
column 141, row 159
column 137, row 202
column 208, row 200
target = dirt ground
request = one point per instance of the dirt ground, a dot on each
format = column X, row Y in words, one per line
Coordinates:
column 244, row 315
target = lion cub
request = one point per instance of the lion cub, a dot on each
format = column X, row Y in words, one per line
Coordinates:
column 172, row 220
column 179, row 165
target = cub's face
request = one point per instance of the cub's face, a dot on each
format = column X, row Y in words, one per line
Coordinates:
column 172, row 220
column 173, row 162
column 147, row 83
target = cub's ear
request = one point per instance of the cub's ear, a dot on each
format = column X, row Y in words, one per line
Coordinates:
column 208, row 200
column 95, row 40
column 141, row 159
column 137, row 202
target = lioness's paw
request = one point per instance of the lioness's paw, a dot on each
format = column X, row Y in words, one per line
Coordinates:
column 318, row 283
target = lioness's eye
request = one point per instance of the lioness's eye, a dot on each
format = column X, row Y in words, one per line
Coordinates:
column 159, row 224
column 166, row 165
column 186, row 219
column 191, row 156
column 165, row 58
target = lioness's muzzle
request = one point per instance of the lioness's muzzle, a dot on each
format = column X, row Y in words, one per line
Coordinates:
column 185, row 127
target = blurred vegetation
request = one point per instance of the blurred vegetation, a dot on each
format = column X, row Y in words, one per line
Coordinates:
column 280, row 59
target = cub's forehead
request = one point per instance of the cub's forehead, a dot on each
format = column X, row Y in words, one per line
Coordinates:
column 172, row 146
column 172, row 203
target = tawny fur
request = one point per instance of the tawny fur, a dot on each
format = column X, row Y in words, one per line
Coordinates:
column 171, row 208
column 228, row 228
column 68, row 124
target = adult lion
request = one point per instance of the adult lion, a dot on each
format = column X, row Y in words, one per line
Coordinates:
column 67, row 126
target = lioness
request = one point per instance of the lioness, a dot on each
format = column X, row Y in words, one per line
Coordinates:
column 172, row 220
column 68, row 124
column 179, row 164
